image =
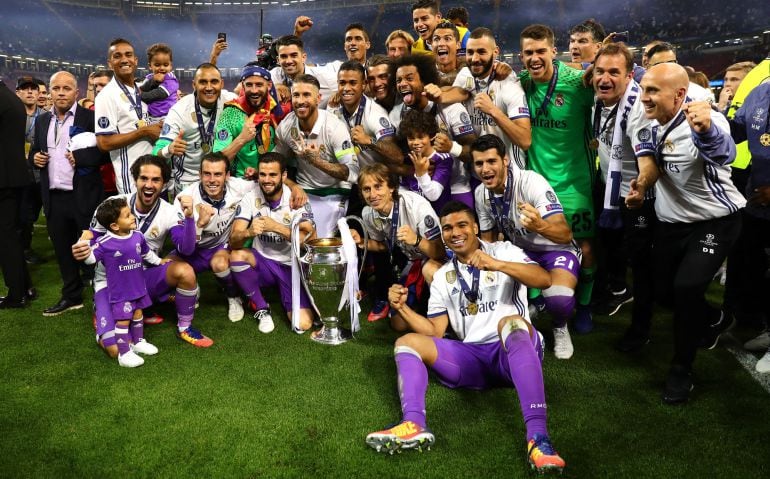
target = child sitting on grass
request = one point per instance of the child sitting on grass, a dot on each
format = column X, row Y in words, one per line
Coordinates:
column 122, row 249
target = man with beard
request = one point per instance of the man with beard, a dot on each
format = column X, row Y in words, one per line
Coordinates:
column 155, row 219
column 246, row 128
column 292, row 58
column 214, row 200
column 627, row 173
column 425, row 17
column 266, row 216
column 323, row 153
column 380, row 89
column 560, row 108
column 188, row 132
column 411, row 74
column 121, row 116
column 496, row 106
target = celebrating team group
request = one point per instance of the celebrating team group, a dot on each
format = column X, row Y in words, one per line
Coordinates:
column 476, row 185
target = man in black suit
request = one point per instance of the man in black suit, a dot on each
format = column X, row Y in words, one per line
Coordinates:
column 65, row 152
column 14, row 176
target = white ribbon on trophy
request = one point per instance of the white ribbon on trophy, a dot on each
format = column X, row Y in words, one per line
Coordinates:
column 296, row 284
column 350, row 291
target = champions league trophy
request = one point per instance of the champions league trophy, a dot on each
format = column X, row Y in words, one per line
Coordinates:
column 329, row 273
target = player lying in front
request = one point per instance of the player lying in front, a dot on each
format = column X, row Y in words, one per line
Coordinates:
column 483, row 299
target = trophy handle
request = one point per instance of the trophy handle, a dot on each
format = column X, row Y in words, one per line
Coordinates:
column 366, row 240
column 295, row 245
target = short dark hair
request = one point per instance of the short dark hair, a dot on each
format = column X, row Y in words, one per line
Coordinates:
column 102, row 73
column 273, row 157
column 482, row 32
column 488, row 142
column 379, row 59
column 357, row 26
column 118, row 41
column 617, row 49
column 432, row 5
column 215, row 157
column 288, row 40
column 660, row 47
column 309, row 79
column 454, row 206
column 381, row 172
column 590, row 26
column 109, row 211
column 459, row 13
column 354, row 66
column 425, row 64
column 415, row 123
column 538, row 31
column 447, row 25
column 207, row 66
column 153, row 160
column 156, row 48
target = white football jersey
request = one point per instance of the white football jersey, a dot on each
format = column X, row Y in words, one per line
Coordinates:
column 333, row 140
column 413, row 211
column 527, row 187
column 375, row 122
column 185, row 169
column 326, row 75
column 115, row 114
column 499, row 295
column 268, row 244
column 217, row 231
column 507, row 95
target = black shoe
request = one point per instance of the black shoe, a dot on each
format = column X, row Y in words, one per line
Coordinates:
column 612, row 302
column 62, row 306
column 678, row 385
column 632, row 341
column 8, row 303
column 31, row 294
column 32, row 258
column 715, row 331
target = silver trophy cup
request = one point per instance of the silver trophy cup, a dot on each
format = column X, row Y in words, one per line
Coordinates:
column 323, row 270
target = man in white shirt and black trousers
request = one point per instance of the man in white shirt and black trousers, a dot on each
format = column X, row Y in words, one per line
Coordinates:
column 698, row 214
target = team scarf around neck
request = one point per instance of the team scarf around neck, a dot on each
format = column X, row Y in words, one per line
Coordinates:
column 610, row 217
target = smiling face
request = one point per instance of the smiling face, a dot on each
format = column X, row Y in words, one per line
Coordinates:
column 409, row 85
column 459, row 232
column 214, row 175
column 377, row 193
column 480, row 55
column 356, row 45
column 256, row 89
column 123, row 62
column 304, row 100
column 445, row 46
column 161, row 63
column 537, row 57
column 271, row 179
column 420, row 143
column 378, row 77
column 663, row 90
column 125, row 223
column 350, row 86
column 149, row 184
column 491, row 168
column 292, row 60
column 610, row 78
column 208, row 86
column 424, row 21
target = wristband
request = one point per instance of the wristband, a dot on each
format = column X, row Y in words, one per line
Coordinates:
column 456, row 150
column 164, row 152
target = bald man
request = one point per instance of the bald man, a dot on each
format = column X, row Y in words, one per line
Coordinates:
column 65, row 152
column 698, row 214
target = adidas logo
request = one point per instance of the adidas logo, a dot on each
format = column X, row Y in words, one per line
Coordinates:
column 117, row 254
column 120, row 341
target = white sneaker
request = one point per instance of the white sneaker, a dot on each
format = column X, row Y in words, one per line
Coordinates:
column 143, row 347
column 763, row 365
column 130, row 360
column 760, row 343
column 562, row 343
column 235, row 309
column 266, row 324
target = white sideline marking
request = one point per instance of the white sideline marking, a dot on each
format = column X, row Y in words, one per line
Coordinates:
column 747, row 360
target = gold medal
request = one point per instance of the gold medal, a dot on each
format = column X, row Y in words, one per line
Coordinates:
column 206, row 148
column 764, row 139
column 141, row 124
column 594, row 144
column 261, row 149
column 473, row 308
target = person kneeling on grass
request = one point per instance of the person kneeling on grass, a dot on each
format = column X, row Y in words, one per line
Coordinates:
column 122, row 251
column 484, row 300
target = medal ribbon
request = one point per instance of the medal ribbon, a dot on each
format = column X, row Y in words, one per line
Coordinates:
column 598, row 118
column 146, row 220
column 471, row 293
column 501, row 215
column 660, row 144
column 207, row 133
column 359, row 113
column 549, row 92
column 136, row 101
column 489, row 83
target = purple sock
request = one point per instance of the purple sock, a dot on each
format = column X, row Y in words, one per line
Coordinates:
column 185, row 307
column 413, row 384
column 248, row 280
column 225, row 279
column 122, row 338
column 560, row 304
column 137, row 329
column 527, row 377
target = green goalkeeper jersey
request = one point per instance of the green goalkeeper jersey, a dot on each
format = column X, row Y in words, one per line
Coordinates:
column 228, row 128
